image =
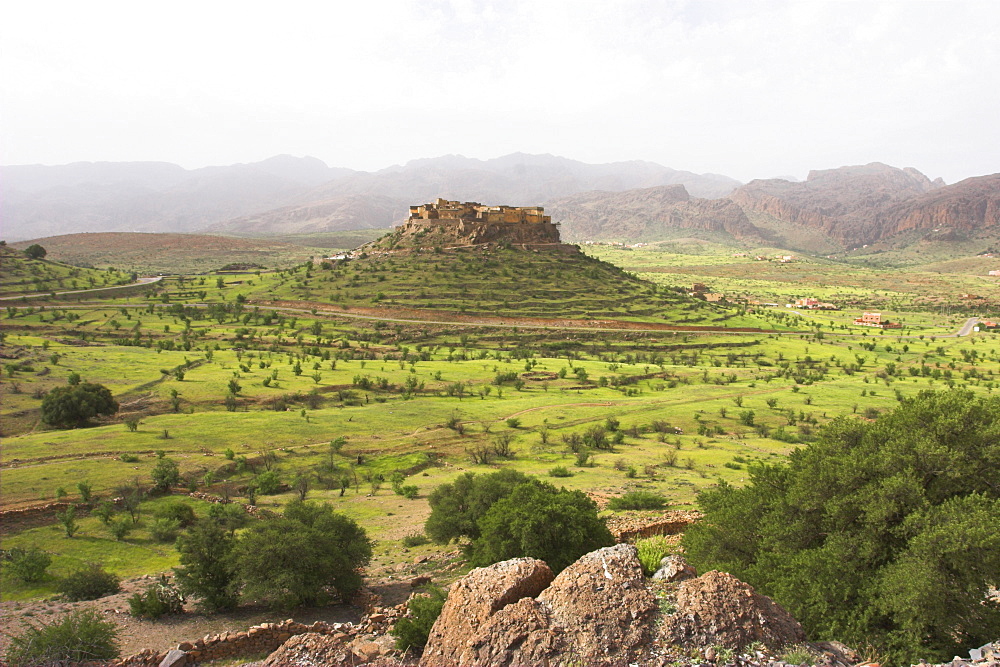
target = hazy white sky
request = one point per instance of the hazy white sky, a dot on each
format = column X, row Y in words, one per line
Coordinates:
column 748, row 89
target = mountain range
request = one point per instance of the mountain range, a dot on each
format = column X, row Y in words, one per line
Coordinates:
column 832, row 210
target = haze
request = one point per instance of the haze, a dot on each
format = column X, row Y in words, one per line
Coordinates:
column 747, row 89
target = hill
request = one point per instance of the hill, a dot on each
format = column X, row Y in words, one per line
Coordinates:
column 24, row 275
column 169, row 253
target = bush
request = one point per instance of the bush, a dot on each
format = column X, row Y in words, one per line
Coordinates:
column 539, row 521
column 88, row 583
column 457, row 507
column 79, row 636
column 75, row 405
column 638, row 500
column 176, row 510
column 164, row 530
column 157, row 600
column 120, row 527
column 165, row 473
column 412, row 630
column 267, row 482
column 882, row 533
column 290, row 561
column 205, row 568
column 560, row 471
column 28, row 565
column 651, row 551
column 415, row 540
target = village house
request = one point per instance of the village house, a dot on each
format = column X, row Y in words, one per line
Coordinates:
column 875, row 320
column 811, row 303
column 443, row 209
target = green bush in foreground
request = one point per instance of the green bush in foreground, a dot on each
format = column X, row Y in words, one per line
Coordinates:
column 412, row 630
column 638, row 500
column 78, row 636
column 884, row 533
column 88, row 583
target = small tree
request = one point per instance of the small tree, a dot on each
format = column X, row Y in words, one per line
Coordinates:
column 206, row 570
column 68, row 520
column 165, row 473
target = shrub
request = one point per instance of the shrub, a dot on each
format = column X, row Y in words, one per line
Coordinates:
column 88, row 583
column 289, row 561
column 881, row 533
column 75, row 405
column 164, row 530
column 176, row 510
column 651, row 552
column 513, row 422
column 412, row 630
column 157, row 600
column 560, row 471
column 86, row 491
column 165, row 473
column 457, row 507
column 539, row 521
column 638, row 500
column 205, row 568
column 120, row 527
column 267, row 482
column 415, row 540
column 79, row 636
column 28, row 565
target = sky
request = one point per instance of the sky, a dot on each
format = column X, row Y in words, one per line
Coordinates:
column 749, row 89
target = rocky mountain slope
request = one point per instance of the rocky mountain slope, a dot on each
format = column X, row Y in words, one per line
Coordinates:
column 647, row 214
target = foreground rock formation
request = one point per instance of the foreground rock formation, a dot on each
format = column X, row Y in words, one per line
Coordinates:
column 599, row 611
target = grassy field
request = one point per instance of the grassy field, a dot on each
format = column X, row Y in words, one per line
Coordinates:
column 232, row 391
column 43, row 276
column 151, row 254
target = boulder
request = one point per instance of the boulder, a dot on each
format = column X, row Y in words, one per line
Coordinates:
column 674, row 568
column 474, row 599
column 174, row 658
column 519, row 634
column 603, row 605
column 719, row 609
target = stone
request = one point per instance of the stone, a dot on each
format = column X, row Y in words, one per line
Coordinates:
column 174, row 658
column 674, row 568
column 719, row 609
column 477, row 597
column 185, row 646
column 603, row 605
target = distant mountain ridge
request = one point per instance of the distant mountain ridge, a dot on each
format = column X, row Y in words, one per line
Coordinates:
column 270, row 196
column 831, row 211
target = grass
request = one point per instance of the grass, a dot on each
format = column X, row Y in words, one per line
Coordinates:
column 389, row 388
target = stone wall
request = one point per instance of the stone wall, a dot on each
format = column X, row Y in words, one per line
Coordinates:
column 264, row 638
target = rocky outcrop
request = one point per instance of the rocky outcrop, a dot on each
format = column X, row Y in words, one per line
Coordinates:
column 475, row 599
column 719, row 609
column 602, row 605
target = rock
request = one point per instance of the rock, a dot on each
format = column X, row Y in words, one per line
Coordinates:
column 518, row 634
column 185, row 646
column 174, row 658
column 717, row 608
column 603, row 605
column 310, row 650
column 422, row 580
column 477, row 597
column 674, row 568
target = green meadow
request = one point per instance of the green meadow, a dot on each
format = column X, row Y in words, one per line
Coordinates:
column 212, row 373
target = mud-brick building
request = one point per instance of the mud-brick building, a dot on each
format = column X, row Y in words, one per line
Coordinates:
column 443, row 209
